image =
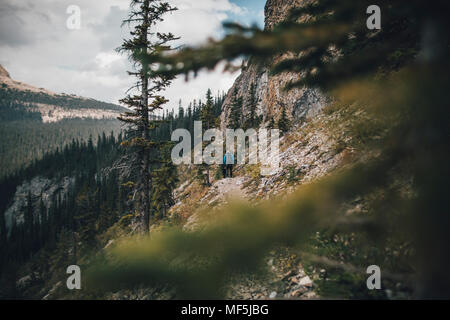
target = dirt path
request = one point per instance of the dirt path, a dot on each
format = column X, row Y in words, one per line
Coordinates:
column 220, row 193
column 224, row 190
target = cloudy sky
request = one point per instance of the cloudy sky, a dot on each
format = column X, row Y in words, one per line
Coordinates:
column 38, row 48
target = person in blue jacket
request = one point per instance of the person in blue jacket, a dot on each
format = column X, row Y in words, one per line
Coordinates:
column 228, row 162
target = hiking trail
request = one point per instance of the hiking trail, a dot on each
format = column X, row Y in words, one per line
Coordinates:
column 222, row 191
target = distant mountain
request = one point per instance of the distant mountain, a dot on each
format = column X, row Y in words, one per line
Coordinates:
column 3, row 72
column 53, row 107
column 7, row 81
column 35, row 121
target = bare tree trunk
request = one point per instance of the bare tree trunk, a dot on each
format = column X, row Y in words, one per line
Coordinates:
column 145, row 164
column 3, row 232
column 207, row 176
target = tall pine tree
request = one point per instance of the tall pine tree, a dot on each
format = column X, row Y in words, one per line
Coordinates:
column 144, row 43
column 283, row 123
column 236, row 110
column 252, row 121
column 165, row 180
column 208, row 122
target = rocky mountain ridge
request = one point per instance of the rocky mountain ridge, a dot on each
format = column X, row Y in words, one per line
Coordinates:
column 3, row 72
column 277, row 10
column 299, row 104
column 7, row 82
column 54, row 112
column 307, row 153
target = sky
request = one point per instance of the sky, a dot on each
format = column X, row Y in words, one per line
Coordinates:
column 38, row 48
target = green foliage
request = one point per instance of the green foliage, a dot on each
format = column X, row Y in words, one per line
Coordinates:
column 64, row 254
column 165, row 179
column 411, row 104
column 283, row 123
column 92, row 204
column 207, row 115
column 271, row 124
column 318, row 30
column 19, row 101
column 94, row 211
column 236, row 240
column 85, row 216
column 143, row 151
column 400, row 185
column 209, row 112
column 26, row 138
column 292, row 175
column 218, row 174
column 202, row 174
column 236, row 111
column 252, row 120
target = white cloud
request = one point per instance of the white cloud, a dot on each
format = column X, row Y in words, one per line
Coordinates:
column 106, row 59
column 196, row 87
column 37, row 48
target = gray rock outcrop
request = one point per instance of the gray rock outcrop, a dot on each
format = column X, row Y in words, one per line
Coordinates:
column 299, row 103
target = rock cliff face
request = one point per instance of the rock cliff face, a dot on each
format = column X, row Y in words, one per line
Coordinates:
column 40, row 189
column 271, row 98
column 306, row 154
column 276, row 10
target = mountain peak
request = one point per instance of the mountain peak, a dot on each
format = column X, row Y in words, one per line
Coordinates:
column 3, row 72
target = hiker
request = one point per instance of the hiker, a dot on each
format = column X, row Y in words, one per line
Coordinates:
column 228, row 162
column 224, row 169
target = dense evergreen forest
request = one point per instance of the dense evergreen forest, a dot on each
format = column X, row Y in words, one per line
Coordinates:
column 362, row 185
column 98, row 197
column 26, row 138
column 25, row 141
column 61, row 100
